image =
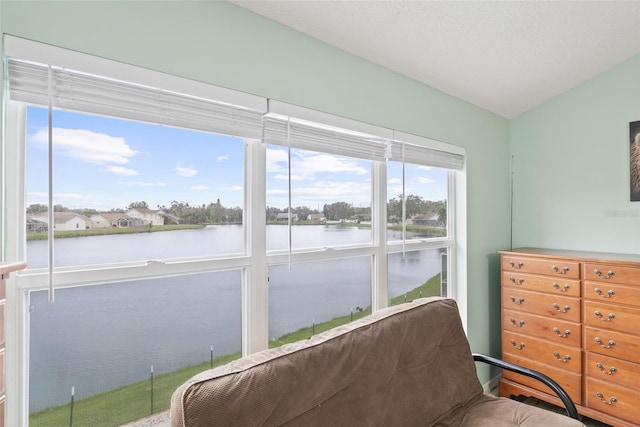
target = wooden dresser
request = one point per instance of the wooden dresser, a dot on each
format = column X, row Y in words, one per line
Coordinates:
column 574, row 316
column 5, row 271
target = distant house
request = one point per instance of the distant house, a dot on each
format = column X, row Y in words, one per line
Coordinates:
column 34, row 225
column 318, row 217
column 284, row 216
column 65, row 221
column 115, row 220
column 430, row 220
column 148, row 216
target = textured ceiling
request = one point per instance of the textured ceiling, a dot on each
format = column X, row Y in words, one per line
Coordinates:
column 503, row 56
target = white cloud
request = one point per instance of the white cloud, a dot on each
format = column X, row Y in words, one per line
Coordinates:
column 424, row 180
column 87, row 146
column 394, row 191
column 66, row 196
column 424, row 168
column 220, row 159
column 187, row 172
column 119, row 170
column 143, row 184
column 237, row 188
column 200, row 187
column 37, row 195
column 293, row 177
column 276, row 160
column 307, row 165
column 395, row 181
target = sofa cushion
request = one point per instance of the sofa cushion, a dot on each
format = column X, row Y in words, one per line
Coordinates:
column 408, row 365
column 501, row 412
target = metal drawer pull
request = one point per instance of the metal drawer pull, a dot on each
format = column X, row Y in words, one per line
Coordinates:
column 557, row 270
column 610, row 344
column 612, row 370
column 607, row 402
column 565, row 288
column 514, row 265
column 517, row 347
column 608, row 276
column 519, row 302
column 609, row 318
column 565, row 335
column 519, row 324
column 513, row 280
column 558, row 309
column 609, row 294
column 557, row 356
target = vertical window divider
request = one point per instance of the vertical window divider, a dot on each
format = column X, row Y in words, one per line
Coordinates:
column 404, row 206
column 380, row 286
column 289, row 215
column 51, row 216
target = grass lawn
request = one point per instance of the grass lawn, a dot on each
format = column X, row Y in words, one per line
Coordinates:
column 133, row 401
column 43, row 235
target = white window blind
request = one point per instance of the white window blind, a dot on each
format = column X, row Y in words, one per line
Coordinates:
column 401, row 151
column 296, row 133
column 72, row 90
column 306, row 135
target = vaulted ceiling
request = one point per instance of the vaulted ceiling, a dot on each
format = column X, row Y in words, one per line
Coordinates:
column 503, row 56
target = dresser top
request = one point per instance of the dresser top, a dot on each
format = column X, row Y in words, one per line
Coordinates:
column 584, row 255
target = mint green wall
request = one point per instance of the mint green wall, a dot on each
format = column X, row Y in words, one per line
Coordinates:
column 219, row 43
column 571, row 167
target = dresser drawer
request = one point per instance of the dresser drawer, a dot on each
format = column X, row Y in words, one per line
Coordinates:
column 611, row 343
column 554, row 285
column 569, row 381
column 560, row 307
column 549, row 267
column 547, row 352
column 615, row 371
column 612, row 292
column 602, row 272
column 612, row 316
column 613, row 399
column 542, row 327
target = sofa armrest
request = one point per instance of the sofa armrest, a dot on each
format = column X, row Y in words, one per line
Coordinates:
column 568, row 403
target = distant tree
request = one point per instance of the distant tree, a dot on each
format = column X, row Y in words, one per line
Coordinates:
column 337, row 211
column 87, row 212
column 234, row 215
column 394, row 208
column 442, row 215
column 303, row 212
column 60, row 208
column 272, row 213
column 36, row 209
column 139, row 205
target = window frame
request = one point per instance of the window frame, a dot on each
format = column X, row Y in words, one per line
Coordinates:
column 255, row 260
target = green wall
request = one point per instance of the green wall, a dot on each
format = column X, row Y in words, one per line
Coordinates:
column 219, row 43
column 571, row 167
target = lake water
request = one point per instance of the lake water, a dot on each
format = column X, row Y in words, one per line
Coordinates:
column 97, row 338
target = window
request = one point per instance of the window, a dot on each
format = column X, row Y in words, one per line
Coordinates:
column 326, row 189
column 97, row 339
column 172, row 200
column 114, row 177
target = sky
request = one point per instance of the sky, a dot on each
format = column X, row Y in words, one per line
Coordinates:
column 106, row 163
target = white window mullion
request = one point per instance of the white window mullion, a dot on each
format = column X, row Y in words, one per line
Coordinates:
column 380, row 289
column 17, row 307
column 255, row 292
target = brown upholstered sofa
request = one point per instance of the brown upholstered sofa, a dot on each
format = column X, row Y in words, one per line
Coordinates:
column 407, row 365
